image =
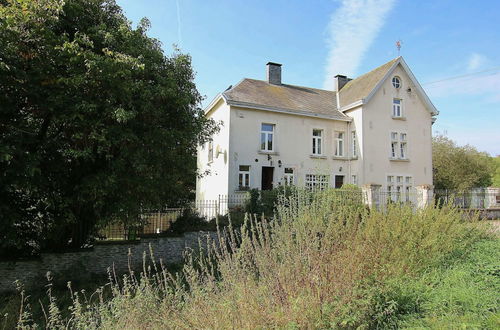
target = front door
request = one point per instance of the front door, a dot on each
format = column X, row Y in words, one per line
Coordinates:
column 267, row 177
column 339, row 181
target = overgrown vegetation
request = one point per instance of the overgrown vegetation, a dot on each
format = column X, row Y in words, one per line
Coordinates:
column 322, row 262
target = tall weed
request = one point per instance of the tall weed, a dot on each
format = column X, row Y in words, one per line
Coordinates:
column 323, row 261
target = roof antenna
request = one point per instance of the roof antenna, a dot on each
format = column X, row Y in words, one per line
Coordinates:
column 398, row 45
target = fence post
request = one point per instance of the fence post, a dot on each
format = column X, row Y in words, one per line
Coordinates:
column 371, row 195
column 491, row 197
column 425, row 193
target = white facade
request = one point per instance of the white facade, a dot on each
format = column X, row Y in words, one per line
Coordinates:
column 240, row 161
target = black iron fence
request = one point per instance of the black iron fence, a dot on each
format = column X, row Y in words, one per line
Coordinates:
column 158, row 222
column 149, row 224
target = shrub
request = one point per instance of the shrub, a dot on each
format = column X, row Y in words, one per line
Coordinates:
column 324, row 261
column 189, row 220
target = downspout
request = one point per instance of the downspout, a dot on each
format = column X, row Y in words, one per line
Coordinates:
column 349, row 150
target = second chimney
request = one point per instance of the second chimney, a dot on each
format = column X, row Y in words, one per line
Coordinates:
column 340, row 82
column 273, row 73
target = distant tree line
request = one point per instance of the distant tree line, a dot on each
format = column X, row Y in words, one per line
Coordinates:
column 96, row 122
column 462, row 167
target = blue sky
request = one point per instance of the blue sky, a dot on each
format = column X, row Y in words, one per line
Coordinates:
column 314, row 40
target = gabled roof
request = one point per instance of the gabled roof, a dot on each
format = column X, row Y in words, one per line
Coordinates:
column 289, row 98
column 360, row 90
column 361, row 87
column 261, row 95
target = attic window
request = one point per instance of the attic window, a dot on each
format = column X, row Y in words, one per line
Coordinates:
column 396, row 82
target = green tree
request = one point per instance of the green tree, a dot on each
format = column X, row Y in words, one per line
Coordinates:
column 459, row 167
column 496, row 175
column 96, row 122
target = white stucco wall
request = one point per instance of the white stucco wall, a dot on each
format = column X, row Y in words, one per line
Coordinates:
column 215, row 183
column 238, row 143
column 293, row 147
column 378, row 125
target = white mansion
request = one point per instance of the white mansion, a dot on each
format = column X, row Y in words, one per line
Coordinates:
column 375, row 129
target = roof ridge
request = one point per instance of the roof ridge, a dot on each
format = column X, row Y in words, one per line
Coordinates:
column 319, row 89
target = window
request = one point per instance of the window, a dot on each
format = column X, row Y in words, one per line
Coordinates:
column 397, row 110
column 316, row 182
column 399, row 188
column 402, row 146
column 339, row 144
column 210, row 151
column 244, row 177
column 354, row 147
column 267, row 137
column 317, row 141
column 399, row 146
column 354, row 179
column 396, row 82
column 289, row 176
column 394, row 144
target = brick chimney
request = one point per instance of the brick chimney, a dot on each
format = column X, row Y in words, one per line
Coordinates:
column 340, row 82
column 273, row 73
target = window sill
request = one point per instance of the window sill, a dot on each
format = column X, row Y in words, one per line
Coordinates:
column 340, row 158
column 242, row 190
column 398, row 118
column 263, row 152
column 317, row 156
column 399, row 159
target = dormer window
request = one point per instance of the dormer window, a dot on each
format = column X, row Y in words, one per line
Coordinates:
column 396, row 82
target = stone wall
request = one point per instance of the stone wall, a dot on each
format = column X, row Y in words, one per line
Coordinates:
column 71, row 266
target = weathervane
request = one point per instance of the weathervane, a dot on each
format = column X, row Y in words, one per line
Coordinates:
column 398, row 45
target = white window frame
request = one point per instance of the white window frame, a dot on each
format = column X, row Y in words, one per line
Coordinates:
column 354, row 179
column 289, row 178
column 397, row 108
column 399, row 187
column 316, row 182
column 264, row 135
column 339, row 143
column 399, row 146
column 403, row 145
column 394, row 144
column 317, row 142
column 396, row 82
column 243, row 178
column 354, row 147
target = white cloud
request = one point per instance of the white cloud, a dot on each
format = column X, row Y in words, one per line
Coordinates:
column 352, row 29
column 475, row 61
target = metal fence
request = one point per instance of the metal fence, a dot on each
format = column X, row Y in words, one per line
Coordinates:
column 209, row 209
column 470, row 199
column 149, row 224
column 479, row 198
column 158, row 222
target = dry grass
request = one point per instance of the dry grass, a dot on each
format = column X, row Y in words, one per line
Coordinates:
column 321, row 263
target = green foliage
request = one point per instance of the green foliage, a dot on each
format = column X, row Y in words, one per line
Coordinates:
column 264, row 201
column 323, row 262
column 496, row 175
column 95, row 122
column 460, row 168
column 189, row 221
